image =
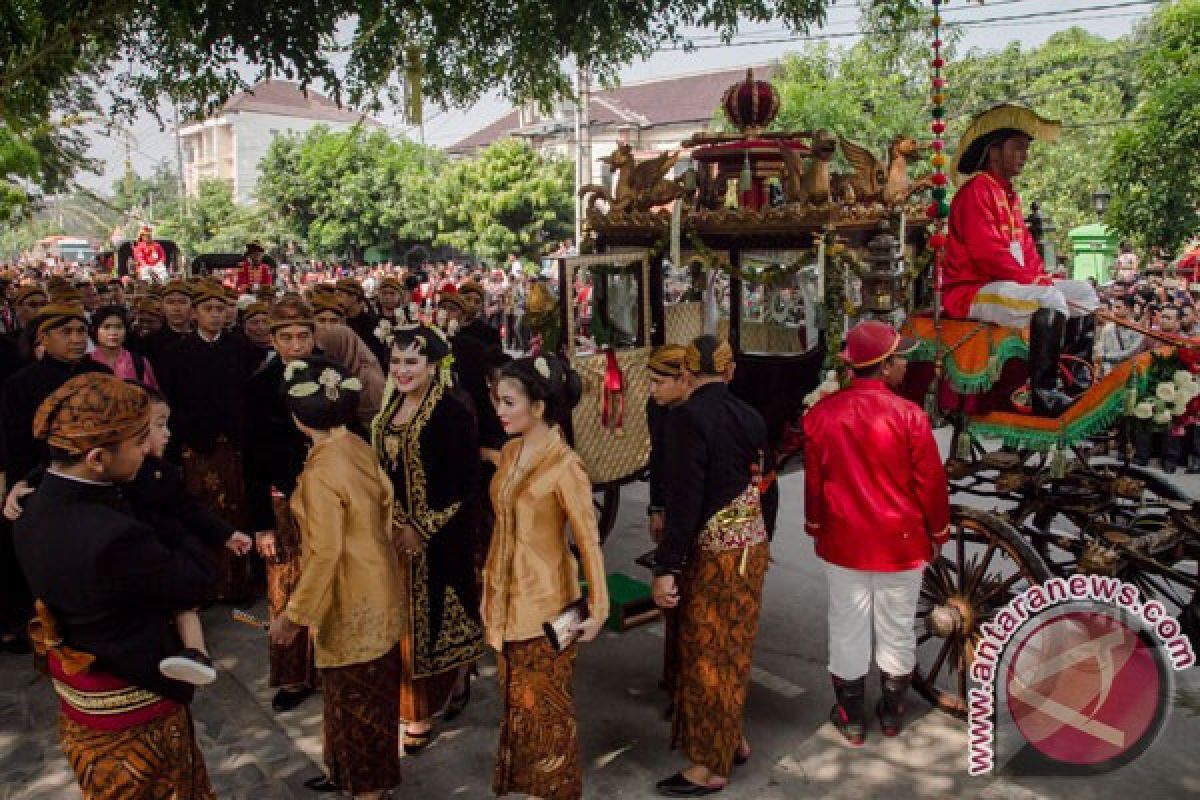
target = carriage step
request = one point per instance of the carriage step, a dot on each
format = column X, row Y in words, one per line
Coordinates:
column 630, row 603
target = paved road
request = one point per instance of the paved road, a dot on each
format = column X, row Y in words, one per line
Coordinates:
column 253, row 753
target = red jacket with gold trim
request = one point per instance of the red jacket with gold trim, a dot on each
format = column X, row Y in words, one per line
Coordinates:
column 875, row 496
column 985, row 219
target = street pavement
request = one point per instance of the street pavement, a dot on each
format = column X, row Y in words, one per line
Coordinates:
column 254, row 753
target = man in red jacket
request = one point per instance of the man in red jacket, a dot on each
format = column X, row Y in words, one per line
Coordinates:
column 875, row 500
column 993, row 271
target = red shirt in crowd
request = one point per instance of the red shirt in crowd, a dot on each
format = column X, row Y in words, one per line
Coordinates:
column 875, row 495
column 148, row 254
column 249, row 276
column 985, row 222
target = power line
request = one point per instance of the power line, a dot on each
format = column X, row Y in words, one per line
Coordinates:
column 1012, row 19
column 856, row 19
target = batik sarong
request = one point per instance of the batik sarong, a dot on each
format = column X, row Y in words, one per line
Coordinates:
column 362, row 723
column 214, row 478
column 291, row 665
column 721, row 597
column 539, row 741
column 157, row 760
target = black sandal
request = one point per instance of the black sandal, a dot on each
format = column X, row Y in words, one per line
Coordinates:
column 322, row 783
column 414, row 743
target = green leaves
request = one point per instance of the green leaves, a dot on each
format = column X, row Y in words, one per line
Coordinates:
column 340, row 193
column 506, row 200
column 1152, row 168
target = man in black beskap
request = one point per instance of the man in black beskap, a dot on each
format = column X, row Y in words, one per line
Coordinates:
column 360, row 319
column 62, row 332
column 108, row 590
column 275, row 454
column 203, row 376
column 472, row 324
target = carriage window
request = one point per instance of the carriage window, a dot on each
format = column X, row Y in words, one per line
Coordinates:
column 778, row 315
column 607, row 304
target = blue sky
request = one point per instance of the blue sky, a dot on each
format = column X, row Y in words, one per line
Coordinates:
column 1109, row 18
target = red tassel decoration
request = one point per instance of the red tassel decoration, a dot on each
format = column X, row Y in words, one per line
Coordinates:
column 612, row 412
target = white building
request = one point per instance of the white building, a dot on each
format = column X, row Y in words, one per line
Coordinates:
column 651, row 116
column 230, row 146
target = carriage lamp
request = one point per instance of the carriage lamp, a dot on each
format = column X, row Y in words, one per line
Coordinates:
column 881, row 285
column 1042, row 229
column 1100, row 199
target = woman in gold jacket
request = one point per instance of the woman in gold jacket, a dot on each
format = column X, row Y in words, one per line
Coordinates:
column 531, row 576
column 349, row 587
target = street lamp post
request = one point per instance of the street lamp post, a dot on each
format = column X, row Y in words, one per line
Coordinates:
column 1100, row 200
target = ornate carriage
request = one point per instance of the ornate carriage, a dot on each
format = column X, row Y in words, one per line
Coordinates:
column 754, row 239
column 778, row 257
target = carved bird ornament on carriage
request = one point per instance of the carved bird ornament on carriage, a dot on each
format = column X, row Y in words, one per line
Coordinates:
column 641, row 185
column 872, row 181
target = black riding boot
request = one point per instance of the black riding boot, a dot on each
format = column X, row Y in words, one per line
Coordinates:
column 890, row 708
column 1081, row 343
column 1045, row 344
column 849, row 715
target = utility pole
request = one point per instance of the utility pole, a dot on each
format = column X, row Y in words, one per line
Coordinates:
column 183, row 200
column 583, row 144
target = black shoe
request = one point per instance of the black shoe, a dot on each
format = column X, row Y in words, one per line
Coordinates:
column 287, row 699
column 415, row 743
column 189, row 666
column 679, row 786
column 740, row 760
column 457, row 703
column 1170, row 469
column 322, row 783
column 849, row 714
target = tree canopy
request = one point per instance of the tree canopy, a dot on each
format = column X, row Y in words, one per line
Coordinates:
column 508, row 199
column 340, row 192
column 1152, row 168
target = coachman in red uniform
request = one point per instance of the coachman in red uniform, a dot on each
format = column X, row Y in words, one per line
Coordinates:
column 875, row 500
column 993, row 271
column 253, row 272
column 149, row 257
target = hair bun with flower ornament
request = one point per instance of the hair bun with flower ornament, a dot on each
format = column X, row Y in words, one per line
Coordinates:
column 320, row 394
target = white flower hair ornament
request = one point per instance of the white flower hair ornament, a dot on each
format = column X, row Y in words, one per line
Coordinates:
column 384, row 331
column 542, row 366
column 289, row 374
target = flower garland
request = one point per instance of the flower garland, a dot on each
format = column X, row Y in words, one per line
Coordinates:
column 939, row 208
column 1171, row 396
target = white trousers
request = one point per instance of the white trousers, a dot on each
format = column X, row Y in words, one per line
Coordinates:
column 861, row 600
column 1012, row 304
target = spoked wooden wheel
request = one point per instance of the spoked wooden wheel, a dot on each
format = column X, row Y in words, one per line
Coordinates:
column 607, row 502
column 1147, row 532
column 983, row 566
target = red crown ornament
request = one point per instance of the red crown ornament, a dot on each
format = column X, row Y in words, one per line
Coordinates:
column 751, row 105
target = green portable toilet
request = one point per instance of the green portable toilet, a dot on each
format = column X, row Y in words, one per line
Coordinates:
column 1093, row 252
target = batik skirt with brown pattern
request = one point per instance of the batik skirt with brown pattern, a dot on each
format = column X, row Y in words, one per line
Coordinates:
column 539, row 740
column 362, row 723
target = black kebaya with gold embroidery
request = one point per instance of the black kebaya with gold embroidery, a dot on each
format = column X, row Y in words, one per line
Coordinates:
column 433, row 461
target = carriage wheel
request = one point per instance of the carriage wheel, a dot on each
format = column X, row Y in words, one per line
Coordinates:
column 607, row 502
column 1170, row 575
column 984, row 564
